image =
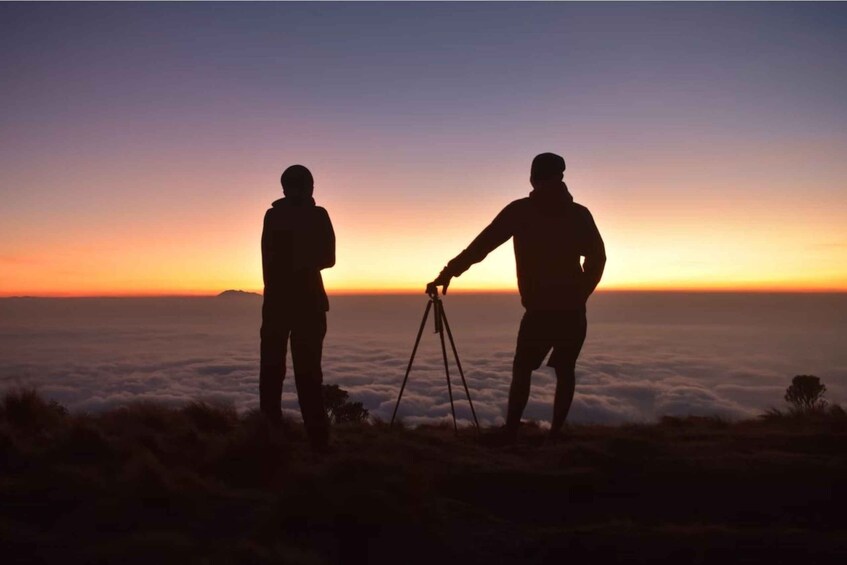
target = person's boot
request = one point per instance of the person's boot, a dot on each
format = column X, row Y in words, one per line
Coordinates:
column 272, row 417
column 509, row 432
column 319, row 439
column 557, row 435
column 513, row 424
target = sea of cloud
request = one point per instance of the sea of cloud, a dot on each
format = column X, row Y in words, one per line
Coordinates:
column 645, row 356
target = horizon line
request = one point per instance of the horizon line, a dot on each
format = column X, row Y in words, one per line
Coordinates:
column 408, row 292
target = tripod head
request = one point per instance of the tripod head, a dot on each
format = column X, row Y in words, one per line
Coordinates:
column 435, row 300
column 432, row 292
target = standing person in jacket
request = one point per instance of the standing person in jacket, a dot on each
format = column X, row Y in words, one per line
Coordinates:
column 297, row 242
column 551, row 232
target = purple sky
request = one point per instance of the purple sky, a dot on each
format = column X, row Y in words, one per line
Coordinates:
column 707, row 139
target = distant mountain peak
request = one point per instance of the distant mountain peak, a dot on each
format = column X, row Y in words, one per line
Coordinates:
column 237, row 294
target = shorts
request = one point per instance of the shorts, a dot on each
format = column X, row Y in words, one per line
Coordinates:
column 541, row 330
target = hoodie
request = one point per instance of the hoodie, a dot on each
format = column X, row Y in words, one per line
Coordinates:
column 297, row 242
column 550, row 232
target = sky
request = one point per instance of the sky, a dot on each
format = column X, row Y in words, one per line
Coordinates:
column 142, row 143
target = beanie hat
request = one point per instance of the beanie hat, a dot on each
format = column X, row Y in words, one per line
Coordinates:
column 547, row 166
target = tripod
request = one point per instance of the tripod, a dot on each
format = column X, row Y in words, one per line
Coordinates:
column 440, row 325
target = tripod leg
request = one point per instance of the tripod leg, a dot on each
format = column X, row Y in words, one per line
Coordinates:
column 439, row 312
column 411, row 360
column 459, row 365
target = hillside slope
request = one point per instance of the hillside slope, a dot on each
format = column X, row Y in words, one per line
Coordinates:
column 149, row 484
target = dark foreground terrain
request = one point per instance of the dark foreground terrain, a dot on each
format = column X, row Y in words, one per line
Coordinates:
column 202, row 484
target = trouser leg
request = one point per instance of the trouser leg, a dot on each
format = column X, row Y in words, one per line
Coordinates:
column 306, row 350
column 272, row 350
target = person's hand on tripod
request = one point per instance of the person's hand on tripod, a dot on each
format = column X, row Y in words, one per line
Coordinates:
column 443, row 279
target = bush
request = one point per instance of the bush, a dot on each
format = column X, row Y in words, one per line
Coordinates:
column 806, row 394
column 25, row 409
column 339, row 409
column 210, row 418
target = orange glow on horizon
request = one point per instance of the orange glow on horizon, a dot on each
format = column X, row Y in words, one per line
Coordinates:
column 409, row 291
column 704, row 237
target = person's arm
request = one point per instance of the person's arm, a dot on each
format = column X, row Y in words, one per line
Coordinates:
column 594, row 251
column 495, row 234
column 326, row 243
column 266, row 250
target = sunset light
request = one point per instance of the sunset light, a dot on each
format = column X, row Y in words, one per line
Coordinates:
column 711, row 158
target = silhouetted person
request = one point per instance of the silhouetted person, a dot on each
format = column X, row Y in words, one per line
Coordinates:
column 550, row 234
column 297, row 242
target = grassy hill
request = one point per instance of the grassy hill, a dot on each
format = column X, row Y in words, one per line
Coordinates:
column 203, row 484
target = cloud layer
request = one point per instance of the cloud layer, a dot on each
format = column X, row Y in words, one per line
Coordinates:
column 92, row 355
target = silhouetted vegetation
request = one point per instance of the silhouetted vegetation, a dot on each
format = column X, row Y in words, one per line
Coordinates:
column 805, row 396
column 144, row 483
column 806, row 393
column 339, row 408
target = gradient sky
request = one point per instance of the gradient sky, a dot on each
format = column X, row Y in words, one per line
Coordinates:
column 141, row 143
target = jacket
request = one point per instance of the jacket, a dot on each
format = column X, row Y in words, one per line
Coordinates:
column 550, row 233
column 297, row 242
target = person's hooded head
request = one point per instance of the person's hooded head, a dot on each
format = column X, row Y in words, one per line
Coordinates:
column 297, row 184
column 547, row 179
column 547, row 171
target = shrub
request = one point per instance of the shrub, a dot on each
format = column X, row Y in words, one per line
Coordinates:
column 806, row 394
column 26, row 410
column 210, row 418
column 339, row 409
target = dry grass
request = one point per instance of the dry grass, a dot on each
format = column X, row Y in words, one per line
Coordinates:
column 203, row 484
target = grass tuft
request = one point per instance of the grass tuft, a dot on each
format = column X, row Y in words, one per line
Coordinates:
column 25, row 409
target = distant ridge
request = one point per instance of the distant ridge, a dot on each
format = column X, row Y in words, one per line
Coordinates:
column 237, row 294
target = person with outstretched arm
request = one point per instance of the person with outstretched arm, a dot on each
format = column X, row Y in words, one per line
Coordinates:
column 551, row 233
column 297, row 243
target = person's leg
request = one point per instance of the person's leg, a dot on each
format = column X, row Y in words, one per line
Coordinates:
column 518, row 395
column 531, row 348
column 306, row 350
column 272, row 350
column 565, row 387
column 570, row 335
